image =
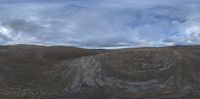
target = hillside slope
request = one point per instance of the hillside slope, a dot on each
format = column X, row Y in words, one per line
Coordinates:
column 23, row 69
column 37, row 72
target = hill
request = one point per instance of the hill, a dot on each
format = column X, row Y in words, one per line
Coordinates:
column 57, row 72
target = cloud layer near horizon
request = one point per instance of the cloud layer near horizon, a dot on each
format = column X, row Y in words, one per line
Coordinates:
column 100, row 23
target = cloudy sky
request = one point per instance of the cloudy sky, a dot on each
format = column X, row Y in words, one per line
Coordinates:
column 100, row 23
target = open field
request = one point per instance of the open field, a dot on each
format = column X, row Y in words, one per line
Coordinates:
column 58, row 72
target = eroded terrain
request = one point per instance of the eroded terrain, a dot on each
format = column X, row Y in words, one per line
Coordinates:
column 38, row 72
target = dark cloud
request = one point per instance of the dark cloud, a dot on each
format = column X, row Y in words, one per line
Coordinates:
column 22, row 26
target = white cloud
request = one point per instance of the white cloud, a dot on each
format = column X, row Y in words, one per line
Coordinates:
column 4, row 31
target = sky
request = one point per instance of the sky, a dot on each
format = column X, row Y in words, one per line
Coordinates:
column 100, row 23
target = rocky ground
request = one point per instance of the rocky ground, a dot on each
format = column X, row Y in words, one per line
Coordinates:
column 38, row 72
